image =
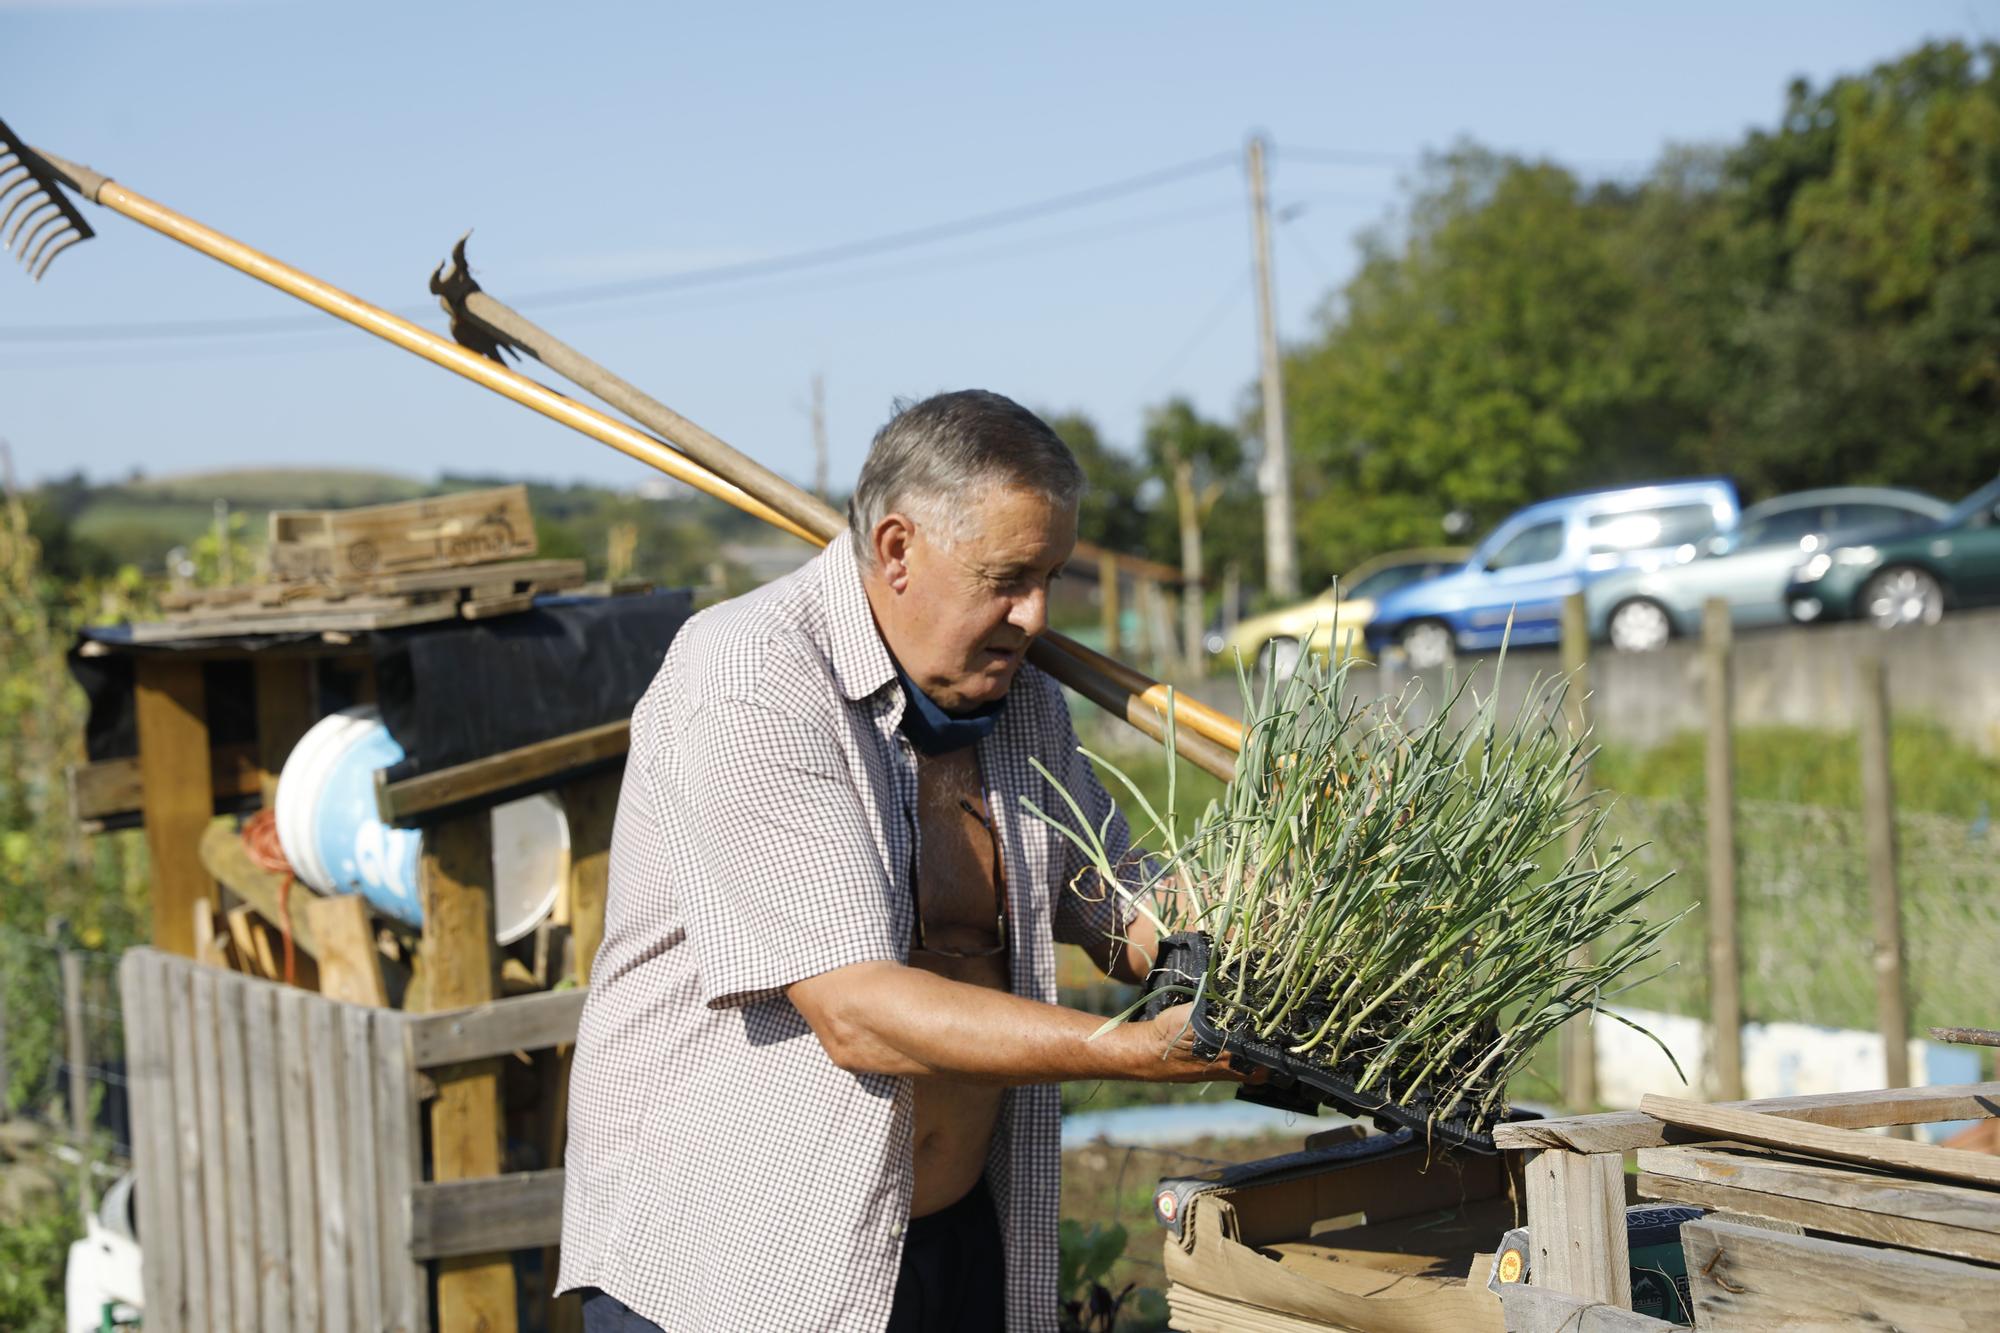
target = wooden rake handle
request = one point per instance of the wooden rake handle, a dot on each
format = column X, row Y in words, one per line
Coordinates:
column 1141, row 708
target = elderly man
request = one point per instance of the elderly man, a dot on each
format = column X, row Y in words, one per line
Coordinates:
column 814, row 1082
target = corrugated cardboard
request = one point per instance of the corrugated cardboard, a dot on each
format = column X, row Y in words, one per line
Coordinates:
column 1377, row 1233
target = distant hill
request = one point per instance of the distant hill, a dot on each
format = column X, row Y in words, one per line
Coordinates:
column 679, row 535
column 282, row 488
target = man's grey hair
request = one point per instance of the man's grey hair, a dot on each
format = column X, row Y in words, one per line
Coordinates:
column 933, row 458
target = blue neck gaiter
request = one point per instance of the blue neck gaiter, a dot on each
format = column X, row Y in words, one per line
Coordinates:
column 932, row 730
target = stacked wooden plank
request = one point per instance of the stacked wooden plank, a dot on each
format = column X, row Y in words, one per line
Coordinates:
column 1813, row 1222
column 380, row 567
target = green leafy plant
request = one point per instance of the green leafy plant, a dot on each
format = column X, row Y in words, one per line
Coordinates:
column 1085, row 1255
column 1412, row 901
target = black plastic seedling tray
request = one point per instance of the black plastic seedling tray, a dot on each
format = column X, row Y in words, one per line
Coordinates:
column 1293, row 1082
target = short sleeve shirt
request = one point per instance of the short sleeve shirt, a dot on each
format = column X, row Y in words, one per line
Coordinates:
column 722, row 1171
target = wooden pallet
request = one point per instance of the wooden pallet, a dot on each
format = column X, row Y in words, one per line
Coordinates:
column 1813, row 1223
column 472, row 592
column 355, row 545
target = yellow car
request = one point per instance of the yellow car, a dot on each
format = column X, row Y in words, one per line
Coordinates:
column 1276, row 638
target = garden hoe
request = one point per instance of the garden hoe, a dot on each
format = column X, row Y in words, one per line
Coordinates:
column 30, row 174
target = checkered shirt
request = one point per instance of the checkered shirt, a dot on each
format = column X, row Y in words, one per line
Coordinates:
column 723, row 1173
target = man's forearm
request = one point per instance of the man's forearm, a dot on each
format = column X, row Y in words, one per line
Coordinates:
column 891, row 1019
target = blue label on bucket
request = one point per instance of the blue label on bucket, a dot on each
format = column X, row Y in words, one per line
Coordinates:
column 361, row 853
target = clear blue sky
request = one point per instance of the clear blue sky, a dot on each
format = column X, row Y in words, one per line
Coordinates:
column 593, row 144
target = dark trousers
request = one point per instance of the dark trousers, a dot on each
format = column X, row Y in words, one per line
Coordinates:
column 954, row 1276
column 953, row 1280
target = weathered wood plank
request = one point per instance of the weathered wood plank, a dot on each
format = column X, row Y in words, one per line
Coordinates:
column 1844, row 1145
column 230, row 995
column 517, row 1211
column 399, row 1166
column 402, row 802
column 331, row 1140
column 223, row 854
column 1539, row 1310
column 170, row 707
column 144, row 996
column 591, row 805
column 524, row 1023
column 350, row 966
column 1623, row 1131
column 1916, row 1214
column 379, row 541
column 178, row 978
column 1576, row 1222
column 295, row 1095
column 214, row 1152
column 268, row 1180
column 112, row 788
column 1747, row 1280
column 364, row 1245
column 460, row 965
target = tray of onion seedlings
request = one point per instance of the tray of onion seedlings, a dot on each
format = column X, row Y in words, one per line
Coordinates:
column 1391, row 905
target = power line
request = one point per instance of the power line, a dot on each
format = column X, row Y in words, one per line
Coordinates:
column 1629, row 168
column 597, row 292
column 1209, row 322
column 149, row 355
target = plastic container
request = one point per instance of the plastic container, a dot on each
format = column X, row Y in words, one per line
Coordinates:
column 1295, row 1082
column 334, row 837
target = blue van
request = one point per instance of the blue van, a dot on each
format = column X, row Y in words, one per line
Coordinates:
column 1526, row 566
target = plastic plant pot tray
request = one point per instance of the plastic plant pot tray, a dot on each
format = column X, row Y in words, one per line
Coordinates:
column 1296, row 1083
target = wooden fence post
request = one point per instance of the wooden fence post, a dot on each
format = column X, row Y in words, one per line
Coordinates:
column 1107, row 600
column 1878, row 822
column 1579, row 1055
column 461, row 966
column 171, row 712
column 1725, row 964
column 77, row 1053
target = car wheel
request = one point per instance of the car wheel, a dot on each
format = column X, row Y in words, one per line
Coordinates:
column 1640, row 626
column 1429, row 644
column 1279, row 658
column 1902, row 595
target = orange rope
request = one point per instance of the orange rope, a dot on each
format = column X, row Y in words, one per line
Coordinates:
column 260, row 840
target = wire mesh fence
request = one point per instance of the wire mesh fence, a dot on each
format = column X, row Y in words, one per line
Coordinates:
column 1803, row 900
column 62, row 1043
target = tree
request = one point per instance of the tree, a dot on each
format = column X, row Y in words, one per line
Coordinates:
column 1199, row 460
column 1110, row 513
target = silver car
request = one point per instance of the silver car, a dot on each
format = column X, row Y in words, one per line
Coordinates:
column 1638, row 610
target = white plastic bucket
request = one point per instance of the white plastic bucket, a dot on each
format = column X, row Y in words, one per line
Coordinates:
column 336, row 841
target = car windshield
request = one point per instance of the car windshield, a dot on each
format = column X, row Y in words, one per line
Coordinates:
column 1385, row 581
column 1964, row 511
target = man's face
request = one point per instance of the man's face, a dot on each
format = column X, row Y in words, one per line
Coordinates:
column 959, row 615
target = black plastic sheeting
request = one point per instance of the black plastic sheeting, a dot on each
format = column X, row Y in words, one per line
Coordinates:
column 449, row 692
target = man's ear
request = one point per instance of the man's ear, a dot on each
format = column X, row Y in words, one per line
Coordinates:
column 892, row 538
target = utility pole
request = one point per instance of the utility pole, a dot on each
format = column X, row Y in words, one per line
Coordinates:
column 1274, row 473
column 819, row 436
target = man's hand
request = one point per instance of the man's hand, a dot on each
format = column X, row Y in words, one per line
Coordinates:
column 1168, row 1039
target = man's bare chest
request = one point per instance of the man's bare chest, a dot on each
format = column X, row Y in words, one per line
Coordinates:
column 960, row 879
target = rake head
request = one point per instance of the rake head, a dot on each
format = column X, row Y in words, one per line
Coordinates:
column 31, row 190
column 453, row 284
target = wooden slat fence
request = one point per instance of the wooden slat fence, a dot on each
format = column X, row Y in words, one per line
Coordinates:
column 279, row 1151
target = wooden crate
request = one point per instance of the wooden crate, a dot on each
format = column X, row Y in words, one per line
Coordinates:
column 1906, row 1236
column 353, row 545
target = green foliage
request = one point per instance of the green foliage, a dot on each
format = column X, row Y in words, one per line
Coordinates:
column 1817, row 304
column 1085, row 1255
column 34, row 1252
column 1933, row 768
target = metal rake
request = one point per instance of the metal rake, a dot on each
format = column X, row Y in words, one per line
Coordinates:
column 32, row 188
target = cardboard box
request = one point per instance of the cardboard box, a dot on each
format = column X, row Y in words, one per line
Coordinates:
column 1373, row 1233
